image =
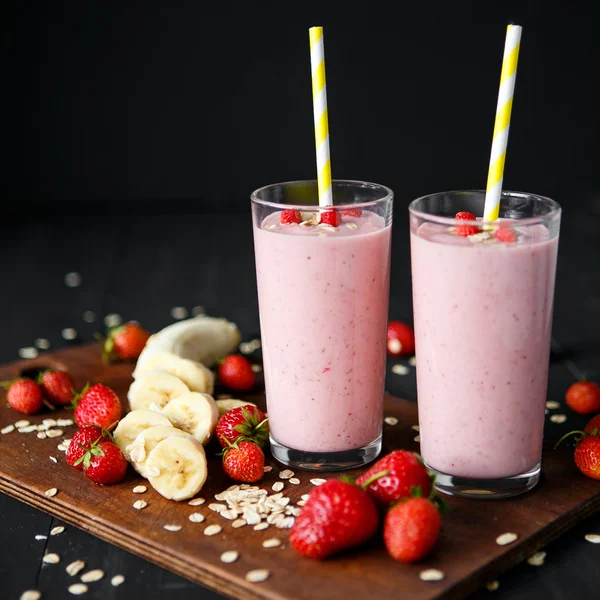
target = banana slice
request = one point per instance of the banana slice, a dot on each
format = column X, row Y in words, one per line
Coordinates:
column 201, row 339
column 176, row 467
column 154, row 389
column 195, row 375
column 194, row 413
column 229, row 404
column 146, row 441
column 132, row 424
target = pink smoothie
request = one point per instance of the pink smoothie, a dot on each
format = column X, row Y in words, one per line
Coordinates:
column 323, row 298
column 483, row 315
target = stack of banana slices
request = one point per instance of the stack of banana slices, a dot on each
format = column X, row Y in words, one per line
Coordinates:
column 173, row 414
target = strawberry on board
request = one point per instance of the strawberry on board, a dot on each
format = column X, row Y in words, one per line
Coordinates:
column 103, row 463
column 337, row 516
column 235, row 373
column 583, row 397
column 57, row 386
column 400, row 339
column 244, row 461
column 24, row 395
column 124, row 342
column 587, row 451
column 82, row 442
column 593, row 425
column 411, row 529
column 97, row 405
column 247, row 423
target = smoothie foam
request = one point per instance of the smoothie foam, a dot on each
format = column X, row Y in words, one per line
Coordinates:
column 482, row 315
column 323, row 296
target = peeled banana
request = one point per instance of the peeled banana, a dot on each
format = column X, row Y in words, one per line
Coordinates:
column 132, row 424
column 194, row 413
column 176, row 468
column 153, row 390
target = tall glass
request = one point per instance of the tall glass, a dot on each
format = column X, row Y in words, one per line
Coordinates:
column 483, row 316
column 323, row 299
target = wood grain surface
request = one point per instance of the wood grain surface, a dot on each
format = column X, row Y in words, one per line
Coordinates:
column 467, row 552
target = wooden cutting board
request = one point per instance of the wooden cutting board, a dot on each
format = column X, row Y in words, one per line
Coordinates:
column 467, row 552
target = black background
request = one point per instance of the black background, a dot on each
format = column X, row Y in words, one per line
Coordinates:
column 134, row 133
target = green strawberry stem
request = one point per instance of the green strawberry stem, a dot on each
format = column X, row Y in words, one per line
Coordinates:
column 94, row 450
column 77, row 397
column 374, row 478
column 582, row 435
column 6, row 384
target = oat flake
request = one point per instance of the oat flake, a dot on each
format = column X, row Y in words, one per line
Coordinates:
column 593, row 538
column 257, row 575
column 69, row 333
column 89, row 316
column 294, row 481
column 7, row 429
column 229, row 556
column 558, row 418
column 196, row 517
column 42, row 343
column 492, row 586
column 239, row 523
column 57, row 530
column 318, row 481
column 400, row 369
column 268, row 468
column 54, row 433
column 198, row 311
column 537, row 559
column 21, row 424
column 41, row 537
column 272, row 543
column 431, row 575
column 51, row 492
column 54, row 460
column 75, row 567
column 117, row 580
column 95, row 575
column 78, row 588
column 28, row 429
column 260, row 526
column 412, row 361
column 73, row 279
column 417, row 438
column 506, row 538
column 391, row 421
column 179, row 312
column 286, row 474
column 28, row 352
column 415, row 427
column 278, row 486
column 42, row 436
column 30, row 595
column 552, row 404
column 139, row 489
column 172, row 527
column 196, row 501
column 139, row 504
column 51, row 559
column 212, row 530
column 112, row 320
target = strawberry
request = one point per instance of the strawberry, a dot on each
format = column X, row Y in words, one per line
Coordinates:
column 243, row 423
column 103, row 463
column 584, row 397
column 24, row 395
column 395, row 476
column 124, row 342
column 244, row 461
column 352, row 212
column 400, row 339
column 331, row 217
column 57, row 386
column 337, row 516
column 505, row 235
column 81, row 443
column 593, row 425
column 466, row 230
column 97, row 405
column 587, row 451
column 411, row 529
column 235, row 373
column 290, row 216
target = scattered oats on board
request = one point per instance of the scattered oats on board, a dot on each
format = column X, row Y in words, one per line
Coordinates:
column 212, row 530
column 256, row 368
column 117, row 580
column 172, row 527
column 558, row 418
column 305, row 497
column 196, row 501
column 268, row 468
column 28, row 352
column 294, row 481
column 94, row 575
column 22, row 423
column 139, row 504
column 112, row 320
column 54, row 433
column 73, row 279
column 51, row 492
column 179, row 312
column 492, row 586
column 594, row 538
column 30, row 595
column 7, row 429
column 28, row 429
column 139, row 489
column 417, row 438
column 41, row 537
column 506, row 538
column 54, row 460
column 400, row 369
column 278, row 486
column 229, row 556
column 196, row 517
column 431, row 575
column 51, row 559
column 391, row 421
column 537, row 559
column 257, row 575
column 64, row 423
column 318, row 481
column 415, row 427
column 260, row 526
column 89, row 316
column 552, row 404
column 412, row 361
column 272, row 543
column 217, row 507
column 286, row 474
column 69, row 333
column 239, row 523
column 75, row 567
column 78, row 588
column 57, row 530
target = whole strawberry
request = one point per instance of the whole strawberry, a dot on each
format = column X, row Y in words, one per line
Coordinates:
column 104, row 463
column 411, row 529
column 98, row 405
column 57, row 386
column 584, row 397
column 400, row 339
column 245, row 422
column 124, row 342
column 82, row 442
column 244, row 461
column 399, row 473
column 587, row 451
column 24, row 395
column 593, row 425
column 337, row 516
column 331, row 217
column 235, row 373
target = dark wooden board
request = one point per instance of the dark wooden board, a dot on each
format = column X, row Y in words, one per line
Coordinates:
column 467, row 552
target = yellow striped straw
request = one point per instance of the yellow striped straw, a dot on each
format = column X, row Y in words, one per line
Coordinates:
column 493, row 190
column 319, row 89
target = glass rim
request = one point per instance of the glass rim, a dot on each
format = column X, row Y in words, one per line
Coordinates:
column 554, row 213
column 389, row 195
